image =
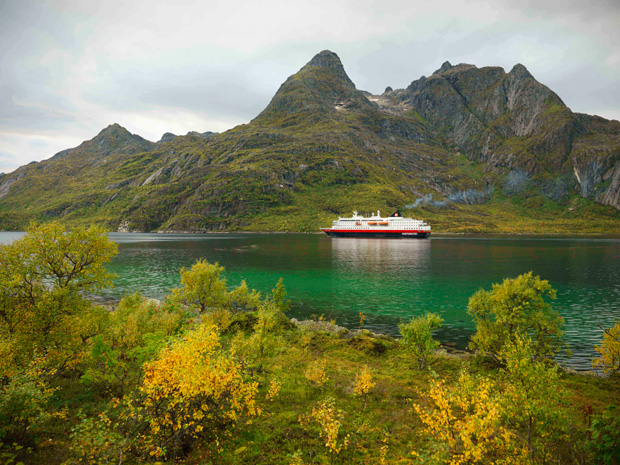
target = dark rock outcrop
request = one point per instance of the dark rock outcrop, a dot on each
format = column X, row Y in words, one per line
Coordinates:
column 167, row 137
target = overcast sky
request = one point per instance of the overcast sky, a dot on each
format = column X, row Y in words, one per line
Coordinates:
column 70, row 68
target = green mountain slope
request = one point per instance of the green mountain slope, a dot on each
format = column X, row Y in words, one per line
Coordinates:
column 461, row 144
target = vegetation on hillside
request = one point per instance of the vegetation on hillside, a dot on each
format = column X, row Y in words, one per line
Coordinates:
column 219, row 375
column 475, row 150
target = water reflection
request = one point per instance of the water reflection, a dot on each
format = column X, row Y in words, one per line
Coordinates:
column 385, row 277
column 410, row 256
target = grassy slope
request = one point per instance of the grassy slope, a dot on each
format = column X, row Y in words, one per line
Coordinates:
column 518, row 215
column 387, row 413
column 385, row 418
column 500, row 215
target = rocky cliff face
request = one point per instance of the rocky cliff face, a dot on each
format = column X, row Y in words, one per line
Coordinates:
column 511, row 123
column 459, row 136
column 506, row 120
column 595, row 159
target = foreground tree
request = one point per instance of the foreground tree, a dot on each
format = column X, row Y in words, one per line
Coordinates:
column 202, row 286
column 45, row 319
column 534, row 400
column 44, row 278
column 517, row 309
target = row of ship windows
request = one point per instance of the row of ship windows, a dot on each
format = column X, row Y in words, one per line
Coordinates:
column 361, row 227
column 365, row 221
column 399, row 224
column 378, row 219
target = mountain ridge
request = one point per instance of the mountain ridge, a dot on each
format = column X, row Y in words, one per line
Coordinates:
column 462, row 136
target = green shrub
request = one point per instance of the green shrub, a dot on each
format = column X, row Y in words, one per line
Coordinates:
column 516, row 309
column 418, row 337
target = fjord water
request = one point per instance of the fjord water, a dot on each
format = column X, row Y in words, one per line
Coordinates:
column 388, row 280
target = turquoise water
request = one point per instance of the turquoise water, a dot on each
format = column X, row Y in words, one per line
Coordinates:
column 389, row 280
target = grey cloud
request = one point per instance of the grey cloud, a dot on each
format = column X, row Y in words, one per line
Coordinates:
column 68, row 62
column 7, row 160
column 225, row 93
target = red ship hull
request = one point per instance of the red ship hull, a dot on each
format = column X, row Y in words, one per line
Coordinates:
column 376, row 233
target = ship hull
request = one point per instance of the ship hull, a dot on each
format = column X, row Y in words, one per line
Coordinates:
column 377, row 233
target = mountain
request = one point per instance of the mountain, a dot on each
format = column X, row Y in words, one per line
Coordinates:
column 472, row 149
column 511, row 123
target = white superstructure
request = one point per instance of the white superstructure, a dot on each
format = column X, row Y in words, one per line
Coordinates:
column 376, row 226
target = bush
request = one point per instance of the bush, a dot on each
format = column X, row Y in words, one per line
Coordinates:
column 191, row 391
column 24, row 404
column 202, row 286
column 533, row 400
column 464, row 424
column 516, row 309
column 604, row 440
column 94, row 441
column 609, row 361
column 134, row 333
column 418, row 337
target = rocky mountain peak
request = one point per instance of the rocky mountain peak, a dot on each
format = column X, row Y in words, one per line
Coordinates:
column 319, row 90
column 447, row 66
column 115, row 138
column 113, row 135
column 520, row 71
column 330, row 62
column 167, row 137
column 326, row 59
column 113, row 129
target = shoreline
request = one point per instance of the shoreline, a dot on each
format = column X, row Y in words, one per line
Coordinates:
column 434, row 234
column 446, row 348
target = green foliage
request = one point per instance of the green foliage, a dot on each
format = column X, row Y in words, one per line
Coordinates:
column 265, row 338
column 418, row 337
column 44, row 276
column 241, row 299
column 95, row 441
column 24, row 403
column 202, row 286
column 534, row 400
column 516, row 309
column 609, row 349
column 604, row 442
column 134, row 333
column 278, row 295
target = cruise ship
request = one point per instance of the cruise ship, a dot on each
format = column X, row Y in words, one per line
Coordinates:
column 376, row 226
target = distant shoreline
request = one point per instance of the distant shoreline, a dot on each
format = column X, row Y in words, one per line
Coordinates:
column 435, row 234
